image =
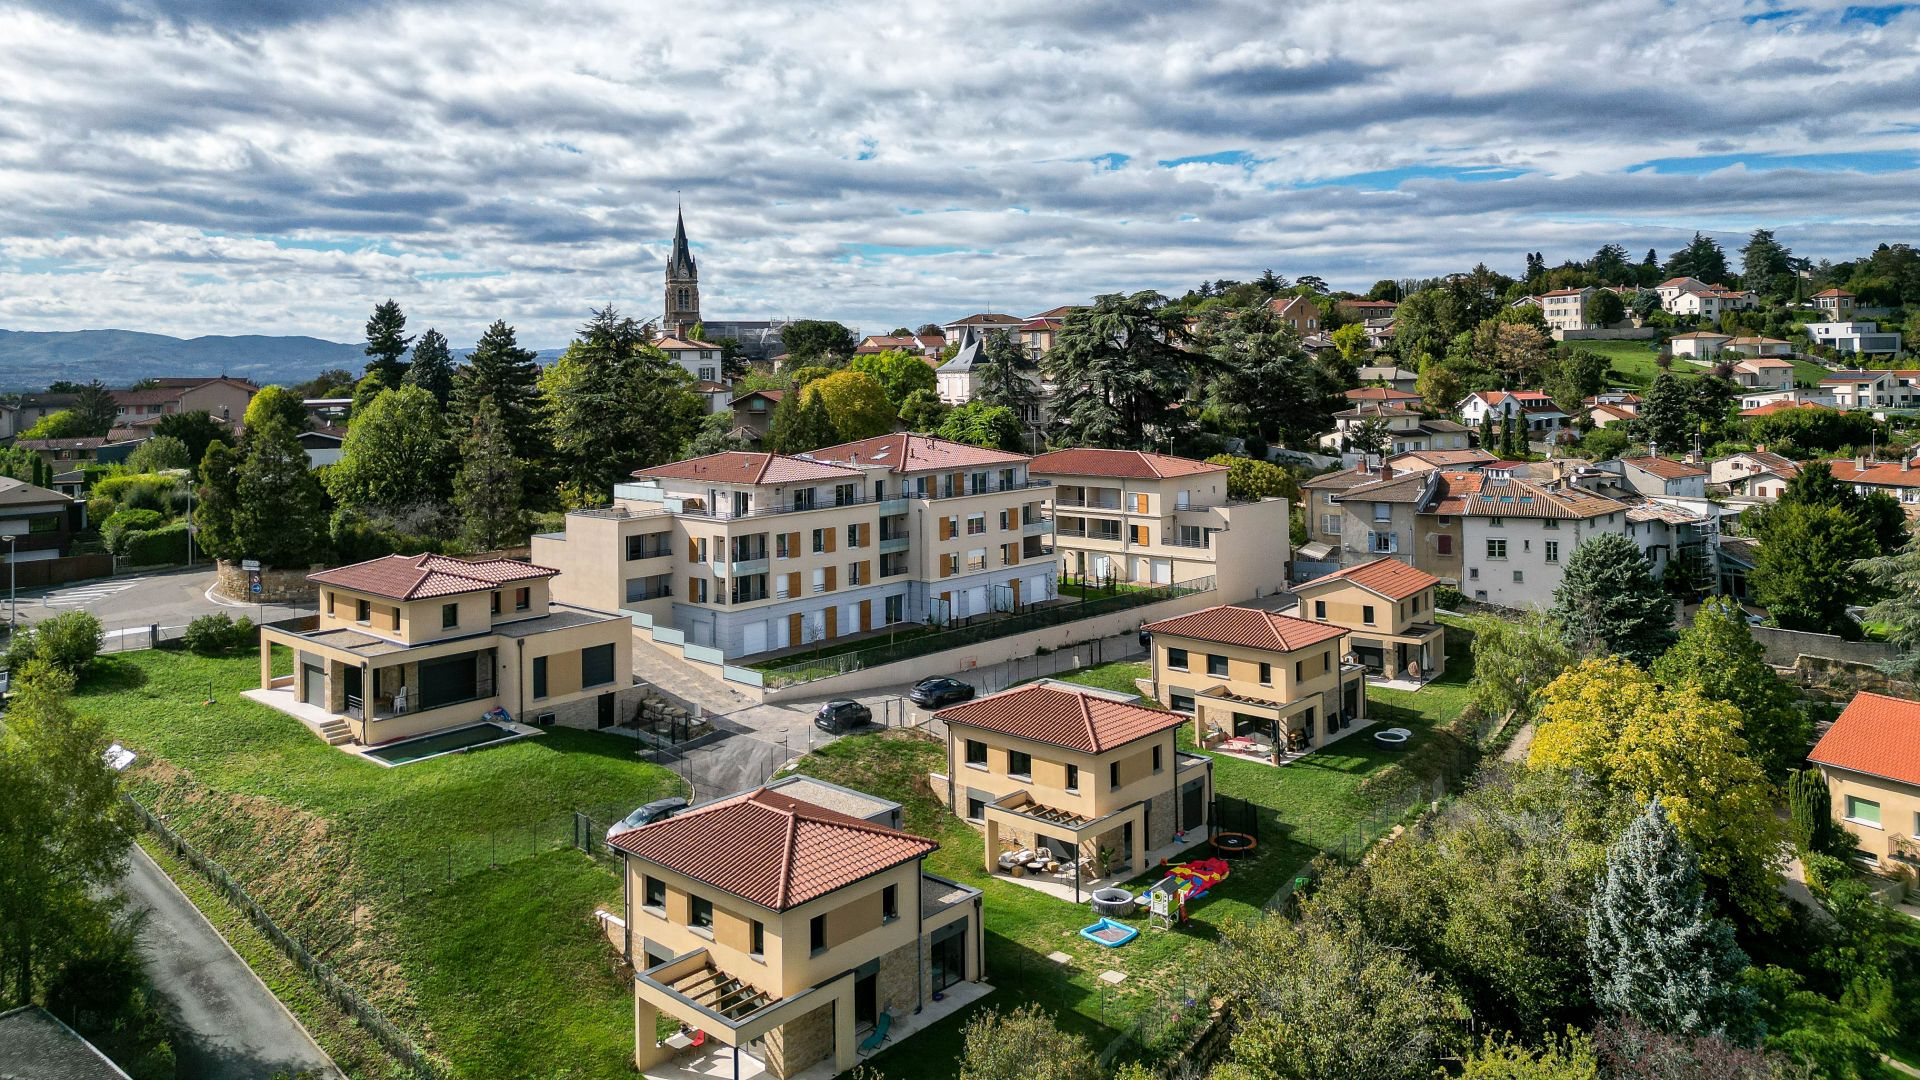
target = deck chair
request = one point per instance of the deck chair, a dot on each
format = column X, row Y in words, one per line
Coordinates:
column 882, row 1027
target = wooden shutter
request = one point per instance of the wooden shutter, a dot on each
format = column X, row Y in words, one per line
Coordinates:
column 796, row 628
column 866, row 614
column 833, row 616
column 793, row 584
column 866, row 533
column 866, row 571
column 693, row 588
column 833, row 573
column 827, row 536
column 793, row 545
column 945, row 526
column 1012, row 554
column 693, row 550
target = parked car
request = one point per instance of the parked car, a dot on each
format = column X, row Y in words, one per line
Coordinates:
column 657, row 810
column 940, row 691
column 842, row 715
column 1146, row 639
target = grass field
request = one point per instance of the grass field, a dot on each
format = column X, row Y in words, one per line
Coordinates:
column 445, row 891
column 1633, row 363
column 1311, row 806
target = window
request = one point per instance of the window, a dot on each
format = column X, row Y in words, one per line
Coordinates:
column 846, row 494
column 803, row 499
column 1006, row 520
column 1319, row 609
column 1073, row 777
column 817, row 934
column 1326, row 661
column 539, row 677
column 1496, row 547
column 1496, row 522
column 1299, row 670
column 976, row 809
column 653, row 893
column 976, row 753
column 1550, row 524
column 976, row 524
column 1366, row 614
column 889, row 903
column 697, row 590
column 759, row 939
column 363, row 611
column 896, row 608
column 1156, row 759
column 1113, row 776
column 1519, row 575
column 1020, row 764
column 1552, row 548
column 1177, row 659
column 699, row 913
column 329, row 596
column 1216, row 665
column 1383, row 511
column 976, row 560
column 1863, row 811
column 819, row 541
column 449, row 616
column 780, row 548
column 1443, row 544
column 708, row 374
column 1266, row 674
column 596, row 665
column 1329, row 523
column 496, row 602
column 522, row 598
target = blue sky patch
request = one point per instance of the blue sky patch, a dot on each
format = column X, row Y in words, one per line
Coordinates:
column 1112, row 162
column 881, row 251
column 1389, row 179
column 1242, row 158
column 1874, row 14
column 1860, row 161
column 1769, row 16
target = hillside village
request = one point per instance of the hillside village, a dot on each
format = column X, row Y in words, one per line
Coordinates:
column 1264, row 680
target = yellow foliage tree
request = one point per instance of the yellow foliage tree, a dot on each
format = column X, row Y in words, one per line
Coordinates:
column 1610, row 720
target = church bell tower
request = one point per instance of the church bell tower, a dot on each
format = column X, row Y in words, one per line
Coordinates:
column 682, row 309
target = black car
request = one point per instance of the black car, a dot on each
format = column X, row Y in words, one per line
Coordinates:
column 939, row 692
column 837, row 716
column 1146, row 638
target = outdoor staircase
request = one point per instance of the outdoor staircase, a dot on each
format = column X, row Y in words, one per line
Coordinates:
column 334, row 731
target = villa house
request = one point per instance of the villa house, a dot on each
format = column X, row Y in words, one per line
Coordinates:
column 783, row 929
column 1862, row 389
column 1854, row 337
column 980, row 325
column 1698, row 345
column 1898, row 479
column 753, row 414
column 1383, row 395
column 1761, row 372
column 41, row 522
column 1541, row 416
column 1648, row 475
column 411, row 644
column 1153, row 519
column 1834, row 303
column 1871, row 760
column 1758, row 473
column 1299, row 312
column 1406, row 429
column 958, row 380
column 1087, row 784
column 1260, row 685
column 1388, row 607
column 700, row 359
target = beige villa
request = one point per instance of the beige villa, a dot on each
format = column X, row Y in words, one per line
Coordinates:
column 1871, row 759
column 1083, row 784
column 786, row 930
column 1259, row 685
column 1388, row 607
column 408, row 645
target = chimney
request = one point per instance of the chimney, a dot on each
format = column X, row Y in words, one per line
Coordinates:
column 1860, row 463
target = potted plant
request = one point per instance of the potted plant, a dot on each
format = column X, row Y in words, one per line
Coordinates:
column 1103, row 860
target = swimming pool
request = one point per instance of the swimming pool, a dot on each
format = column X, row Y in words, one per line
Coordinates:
column 407, row 751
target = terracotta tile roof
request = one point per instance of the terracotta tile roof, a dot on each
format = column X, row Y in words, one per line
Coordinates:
column 1042, row 324
column 1854, row 376
column 1564, row 292
column 1380, row 393
column 1479, row 495
column 1876, row 473
column 1457, row 488
column 1701, row 335
column 1405, row 486
column 420, row 577
column 1440, row 459
column 1875, row 734
column 1665, row 468
column 1390, row 578
column 770, row 395
column 1370, row 305
column 1831, row 292
column 741, row 467
column 1060, row 312
column 1524, row 397
column 1376, row 408
column 1772, row 407
column 988, row 318
column 772, row 849
column 1251, row 627
column 1089, row 723
column 1122, row 464
column 1343, row 480
column 904, row 452
column 1613, row 411
column 674, row 344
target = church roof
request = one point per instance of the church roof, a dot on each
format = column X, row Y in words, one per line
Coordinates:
column 680, row 263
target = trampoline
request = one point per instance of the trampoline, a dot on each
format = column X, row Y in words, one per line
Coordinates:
column 1109, row 933
column 1233, row 845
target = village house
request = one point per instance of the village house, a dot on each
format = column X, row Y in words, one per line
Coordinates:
column 1769, row 402
column 1691, row 296
column 1854, row 337
column 1152, row 519
column 1566, row 309
column 1363, row 310
column 1601, row 414
column 1870, row 758
column 787, row 931
column 1698, row 345
column 1390, row 376
column 1898, row 479
column 1758, row 473
column 408, row 645
column 1650, row 476
column 40, row 522
column 1406, row 429
column 222, row 398
column 926, row 345
column 1387, row 606
column 1862, row 389
column 753, row 414
column 1761, row 372
column 1382, row 395
column 700, row 359
column 1542, row 417
column 1836, row 304
column 979, row 325
column 1299, row 312
column 1259, row 685
column 958, row 380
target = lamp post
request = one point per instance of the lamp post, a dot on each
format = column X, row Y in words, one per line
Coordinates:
column 11, row 607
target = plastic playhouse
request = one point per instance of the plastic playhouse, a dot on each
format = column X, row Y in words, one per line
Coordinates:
column 1167, row 899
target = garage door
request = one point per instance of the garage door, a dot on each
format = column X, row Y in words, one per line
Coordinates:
column 754, row 640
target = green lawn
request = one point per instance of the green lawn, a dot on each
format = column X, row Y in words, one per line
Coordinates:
column 444, row 891
column 1306, row 808
column 1633, row 363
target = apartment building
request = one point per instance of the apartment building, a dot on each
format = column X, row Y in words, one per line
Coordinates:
column 748, row 553
column 785, row 928
column 1566, row 309
column 1871, row 760
column 1072, row 773
column 1154, row 519
column 1387, row 608
column 1258, row 684
column 411, row 644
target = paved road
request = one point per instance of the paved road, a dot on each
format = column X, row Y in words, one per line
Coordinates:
column 167, row 598
column 232, row 1026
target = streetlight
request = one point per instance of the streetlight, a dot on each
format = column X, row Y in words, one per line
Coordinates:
column 11, row 608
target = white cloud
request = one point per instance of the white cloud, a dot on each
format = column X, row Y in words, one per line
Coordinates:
column 279, row 168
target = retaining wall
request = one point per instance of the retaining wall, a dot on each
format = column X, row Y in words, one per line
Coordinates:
column 277, row 586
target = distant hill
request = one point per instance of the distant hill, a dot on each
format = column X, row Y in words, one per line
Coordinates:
column 29, row 360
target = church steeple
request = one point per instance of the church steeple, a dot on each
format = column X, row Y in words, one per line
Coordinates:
column 682, row 307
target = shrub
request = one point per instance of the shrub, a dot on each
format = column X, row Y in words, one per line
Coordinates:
column 156, row 547
column 210, row 635
column 1448, row 598
column 67, row 641
column 114, row 530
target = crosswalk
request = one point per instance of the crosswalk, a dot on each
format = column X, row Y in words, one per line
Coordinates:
column 79, row 596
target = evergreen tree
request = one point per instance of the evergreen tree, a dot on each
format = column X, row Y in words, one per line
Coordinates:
column 279, row 509
column 1122, row 373
column 1665, row 416
column 486, row 490
column 1718, row 657
column 1486, row 431
column 498, row 368
column 386, row 343
column 1006, row 376
column 1658, row 955
column 1263, row 380
column 216, row 514
column 94, row 408
column 616, row 404
column 1897, row 578
column 1608, row 601
column 1810, row 814
column 1763, row 259
column 1701, row 259
column 1803, row 570
column 197, row 429
column 432, row 367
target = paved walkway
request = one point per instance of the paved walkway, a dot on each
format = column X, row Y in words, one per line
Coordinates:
column 232, row 1027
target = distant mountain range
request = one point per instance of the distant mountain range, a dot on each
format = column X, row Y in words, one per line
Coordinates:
column 29, row 360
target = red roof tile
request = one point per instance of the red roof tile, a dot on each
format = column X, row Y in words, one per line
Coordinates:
column 1665, row 468
column 1079, row 721
column 741, row 467
column 1390, row 578
column 904, row 452
column 1256, row 629
column 1877, row 473
column 1772, row 407
column 1877, row 735
column 1831, row 292
column 1381, row 393
column 1122, row 464
column 772, row 849
column 419, row 577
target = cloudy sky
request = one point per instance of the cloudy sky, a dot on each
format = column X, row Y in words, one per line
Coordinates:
column 277, row 166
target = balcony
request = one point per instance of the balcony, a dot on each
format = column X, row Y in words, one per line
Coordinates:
column 744, row 567
column 1036, row 528
column 892, row 544
column 987, row 489
column 893, row 504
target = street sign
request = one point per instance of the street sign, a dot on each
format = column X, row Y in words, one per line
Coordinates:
column 253, row 582
column 250, row 564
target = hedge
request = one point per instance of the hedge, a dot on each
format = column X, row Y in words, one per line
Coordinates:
column 155, row 547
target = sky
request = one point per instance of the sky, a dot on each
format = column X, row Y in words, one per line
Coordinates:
column 280, row 166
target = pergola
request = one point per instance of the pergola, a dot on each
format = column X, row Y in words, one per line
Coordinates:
column 1017, row 811
column 699, row 993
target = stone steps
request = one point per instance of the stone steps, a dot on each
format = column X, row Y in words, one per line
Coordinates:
column 333, row 732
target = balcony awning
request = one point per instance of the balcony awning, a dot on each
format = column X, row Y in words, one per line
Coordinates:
column 1314, row 552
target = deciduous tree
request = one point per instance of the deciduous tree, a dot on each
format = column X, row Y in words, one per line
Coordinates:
column 277, row 403
column 1513, row 659
column 800, row 423
column 1023, row 1044
column 923, row 411
column 810, row 340
column 979, row 424
column 395, row 457
column 1718, row 657
column 898, row 373
column 1251, row 479
column 196, row 429
column 1604, row 308
column 1897, row 579
column 1803, row 570
column 855, row 402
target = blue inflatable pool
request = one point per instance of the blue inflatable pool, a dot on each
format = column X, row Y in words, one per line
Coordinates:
column 1110, row 933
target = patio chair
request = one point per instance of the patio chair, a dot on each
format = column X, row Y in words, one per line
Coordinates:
column 882, row 1031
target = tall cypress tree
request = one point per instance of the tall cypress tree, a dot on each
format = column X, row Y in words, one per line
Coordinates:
column 386, row 343
column 1656, row 953
column 486, row 490
column 432, row 368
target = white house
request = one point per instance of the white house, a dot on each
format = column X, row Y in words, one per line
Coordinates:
column 1652, row 476
column 1691, row 296
column 1566, row 309
column 1542, row 416
column 700, row 359
column 1854, row 337
column 1516, row 536
column 1862, row 389
column 1698, row 344
column 1757, row 473
column 1835, row 303
column 1762, row 373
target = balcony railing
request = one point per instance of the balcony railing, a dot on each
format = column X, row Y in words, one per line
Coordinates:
column 891, row 544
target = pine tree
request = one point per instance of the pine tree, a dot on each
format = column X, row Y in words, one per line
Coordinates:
column 500, row 369
column 616, row 404
column 279, row 508
column 1486, row 431
column 386, row 344
column 1609, row 601
column 432, row 368
column 1657, row 954
column 486, row 490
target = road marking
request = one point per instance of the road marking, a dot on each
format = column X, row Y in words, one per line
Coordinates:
column 82, row 595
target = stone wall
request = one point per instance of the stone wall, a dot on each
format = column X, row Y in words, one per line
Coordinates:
column 897, row 989
column 794, row 1045
column 1785, row 646
column 1838, row 680
column 1160, row 820
column 277, row 586
column 585, row 713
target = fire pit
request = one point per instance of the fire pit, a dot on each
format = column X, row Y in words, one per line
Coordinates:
column 1113, row 901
